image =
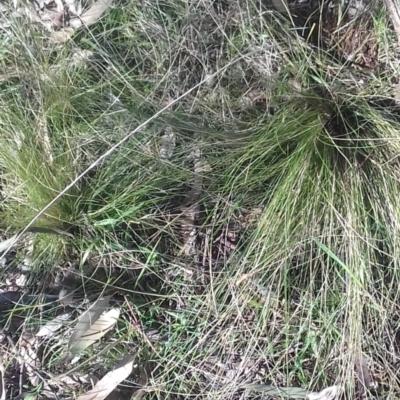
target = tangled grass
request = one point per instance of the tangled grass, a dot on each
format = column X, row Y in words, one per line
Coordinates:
column 292, row 275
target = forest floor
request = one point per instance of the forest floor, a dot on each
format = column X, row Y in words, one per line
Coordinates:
column 199, row 200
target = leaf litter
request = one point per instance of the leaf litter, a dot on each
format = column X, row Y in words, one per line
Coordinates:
column 50, row 328
column 91, row 15
column 93, row 325
column 75, row 379
column 90, row 328
column 111, row 380
column 62, row 22
column 28, row 356
column 296, row 392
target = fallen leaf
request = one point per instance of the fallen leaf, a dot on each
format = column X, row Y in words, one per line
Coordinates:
column 110, row 381
column 283, row 392
column 138, row 393
column 364, row 378
column 295, row 392
column 53, row 326
column 61, row 36
column 28, row 356
column 327, row 394
column 91, row 15
column 92, row 325
column 76, row 379
column 88, row 318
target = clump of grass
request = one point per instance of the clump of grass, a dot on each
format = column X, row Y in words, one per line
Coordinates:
column 312, row 284
column 324, row 166
column 32, row 176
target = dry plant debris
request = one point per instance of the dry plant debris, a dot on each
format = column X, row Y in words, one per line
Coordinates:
column 92, row 325
column 111, row 380
column 62, row 18
column 90, row 328
column 329, row 393
column 50, row 328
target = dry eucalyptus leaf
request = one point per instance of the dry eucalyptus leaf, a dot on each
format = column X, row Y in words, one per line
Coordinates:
column 61, row 36
column 77, row 379
column 28, row 356
column 90, row 16
column 327, row 394
column 283, row 392
column 5, row 244
column 295, row 392
column 110, row 381
column 92, row 326
column 138, row 394
column 88, row 318
column 51, row 327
